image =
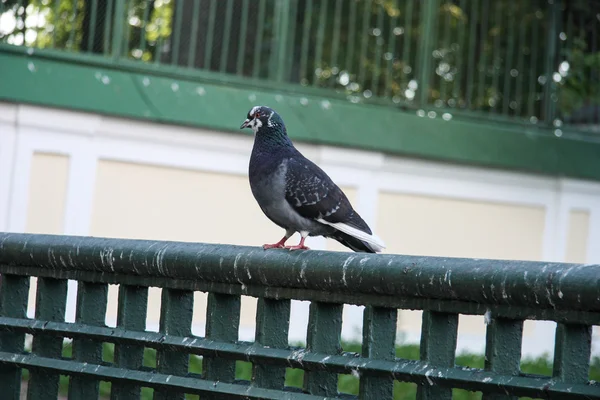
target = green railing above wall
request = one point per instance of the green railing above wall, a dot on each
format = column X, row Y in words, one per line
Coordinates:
column 507, row 292
column 529, row 62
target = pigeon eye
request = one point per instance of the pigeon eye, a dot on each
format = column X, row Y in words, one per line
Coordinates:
column 257, row 115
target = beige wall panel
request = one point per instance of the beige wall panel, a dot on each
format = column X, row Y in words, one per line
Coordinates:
column 431, row 226
column 577, row 236
column 577, row 241
column 334, row 245
column 47, row 193
column 459, row 228
column 150, row 202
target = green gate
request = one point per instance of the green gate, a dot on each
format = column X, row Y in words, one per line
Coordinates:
column 507, row 291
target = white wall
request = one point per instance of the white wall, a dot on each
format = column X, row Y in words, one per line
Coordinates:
column 87, row 139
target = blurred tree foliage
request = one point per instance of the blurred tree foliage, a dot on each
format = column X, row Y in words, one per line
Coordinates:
column 501, row 56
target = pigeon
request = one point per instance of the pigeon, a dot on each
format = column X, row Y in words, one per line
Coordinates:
column 296, row 194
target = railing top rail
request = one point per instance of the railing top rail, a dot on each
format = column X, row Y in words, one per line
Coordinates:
column 539, row 285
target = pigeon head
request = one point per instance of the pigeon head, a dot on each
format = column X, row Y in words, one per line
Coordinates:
column 263, row 118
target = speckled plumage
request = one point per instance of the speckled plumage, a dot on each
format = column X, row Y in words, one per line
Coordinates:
column 295, row 193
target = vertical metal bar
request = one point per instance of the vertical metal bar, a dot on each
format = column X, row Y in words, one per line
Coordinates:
column 503, row 351
column 407, row 40
column 91, row 310
column 337, row 23
column 320, row 38
column 274, row 45
column 222, row 324
column 158, row 49
column 378, row 51
column 456, row 89
column 177, row 31
column 323, row 336
column 447, row 22
column 107, row 25
column 496, row 56
column 291, row 46
column 92, row 33
column 365, row 41
column 520, row 69
column 272, row 325
column 306, row 40
column 391, row 51
column 482, row 59
column 473, row 19
column 379, row 337
column 56, row 11
column 210, row 34
column 50, row 305
column 131, row 314
column 428, row 22
column 438, row 346
column 535, row 29
column 191, row 61
column 175, row 319
column 595, row 117
column 551, row 56
column 127, row 29
column 226, row 37
column 572, row 348
column 145, row 18
column 14, row 292
column 282, row 41
column 351, row 40
column 241, row 56
column 117, row 38
column 259, row 37
column 509, row 61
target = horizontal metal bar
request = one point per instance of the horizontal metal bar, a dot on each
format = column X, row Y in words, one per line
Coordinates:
column 404, row 370
column 148, row 379
column 556, row 286
column 449, row 306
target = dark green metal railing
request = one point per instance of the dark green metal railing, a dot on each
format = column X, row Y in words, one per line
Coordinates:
column 508, row 291
column 534, row 62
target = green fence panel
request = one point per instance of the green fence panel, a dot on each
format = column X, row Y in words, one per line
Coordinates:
column 14, row 293
column 439, row 333
column 131, row 315
column 91, row 310
column 572, row 353
column 50, row 304
column 506, row 292
column 529, row 63
column 503, row 350
column 272, row 327
column 379, row 342
column 175, row 319
column 222, row 324
column 323, row 336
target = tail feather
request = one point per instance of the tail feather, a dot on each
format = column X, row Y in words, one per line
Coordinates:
column 353, row 243
column 369, row 240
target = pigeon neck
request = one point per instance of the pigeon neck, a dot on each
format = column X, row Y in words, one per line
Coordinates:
column 272, row 138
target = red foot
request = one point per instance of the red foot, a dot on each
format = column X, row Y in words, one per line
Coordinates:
column 278, row 245
column 297, row 247
column 273, row 246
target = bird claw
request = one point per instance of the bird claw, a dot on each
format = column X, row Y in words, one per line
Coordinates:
column 297, row 247
column 273, row 246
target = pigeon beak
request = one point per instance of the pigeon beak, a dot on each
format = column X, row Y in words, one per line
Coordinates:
column 245, row 124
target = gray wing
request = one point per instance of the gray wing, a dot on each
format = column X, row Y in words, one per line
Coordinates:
column 312, row 193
